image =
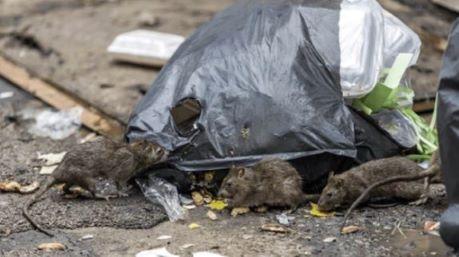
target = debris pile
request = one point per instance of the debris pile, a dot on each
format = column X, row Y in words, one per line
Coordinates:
column 314, row 102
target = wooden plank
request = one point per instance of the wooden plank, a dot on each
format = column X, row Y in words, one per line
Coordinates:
column 423, row 106
column 452, row 5
column 438, row 43
column 90, row 117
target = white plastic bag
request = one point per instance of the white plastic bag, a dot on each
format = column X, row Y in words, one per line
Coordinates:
column 370, row 40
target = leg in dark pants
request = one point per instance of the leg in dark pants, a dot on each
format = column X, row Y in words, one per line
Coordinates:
column 448, row 128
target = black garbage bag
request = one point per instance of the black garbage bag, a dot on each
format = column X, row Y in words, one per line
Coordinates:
column 263, row 80
column 448, row 114
column 448, row 131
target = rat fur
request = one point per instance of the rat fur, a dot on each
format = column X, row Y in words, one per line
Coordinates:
column 87, row 162
column 271, row 182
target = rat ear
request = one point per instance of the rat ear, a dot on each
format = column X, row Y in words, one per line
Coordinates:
column 241, row 172
column 330, row 175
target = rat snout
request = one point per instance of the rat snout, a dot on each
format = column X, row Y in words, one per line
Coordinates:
column 322, row 205
column 159, row 154
column 164, row 156
column 223, row 193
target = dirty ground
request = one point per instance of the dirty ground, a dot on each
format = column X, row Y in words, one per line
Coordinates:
column 73, row 55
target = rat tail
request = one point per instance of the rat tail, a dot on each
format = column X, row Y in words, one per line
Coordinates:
column 25, row 209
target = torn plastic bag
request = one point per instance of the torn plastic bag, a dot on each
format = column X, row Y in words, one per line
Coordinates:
column 266, row 80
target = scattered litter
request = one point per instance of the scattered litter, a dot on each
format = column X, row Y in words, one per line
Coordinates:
column 87, row 237
column 54, row 124
column 159, row 190
column 276, row 228
column 186, row 246
column 329, row 239
column 317, row 213
column 165, row 237
column 284, row 219
column 207, row 198
column 212, row 215
column 159, row 252
column 198, row 199
column 217, row 205
column 145, row 47
column 247, row 237
column 185, row 200
column 206, row 254
column 147, row 19
column 52, row 161
column 47, row 170
column 238, row 211
column 5, row 232
column 189, row 206
column 51, row 247
column 51, row 158
column 5, row 95
column 194, row 226
column 209, row 176
column 261, row 209
column 350, row 229
column 88, row 138
column 13, row 186
column 431, row 227
column 29, row 188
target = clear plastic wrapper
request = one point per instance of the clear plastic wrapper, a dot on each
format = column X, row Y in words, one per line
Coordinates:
column 160, row 191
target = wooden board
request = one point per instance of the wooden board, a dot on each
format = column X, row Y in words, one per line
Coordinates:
column 452, row 5
column 90, row 117
column 424, row 106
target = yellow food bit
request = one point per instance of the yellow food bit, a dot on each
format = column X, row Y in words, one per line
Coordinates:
column 317, row 213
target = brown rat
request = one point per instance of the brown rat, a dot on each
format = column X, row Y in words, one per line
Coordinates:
column 87, row 162
column 342, row 190
column 272, row 182
column 429, row 174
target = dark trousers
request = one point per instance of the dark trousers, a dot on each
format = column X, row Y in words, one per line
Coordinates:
column 448, row 128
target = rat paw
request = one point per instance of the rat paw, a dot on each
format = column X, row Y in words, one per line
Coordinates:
column 122, row 194
column 105, row 196
column 421, row 201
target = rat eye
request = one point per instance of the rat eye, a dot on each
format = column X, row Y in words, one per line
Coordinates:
column 229, row 184
column 329, row 194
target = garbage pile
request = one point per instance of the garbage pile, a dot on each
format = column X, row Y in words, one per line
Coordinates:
column 318, row 83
